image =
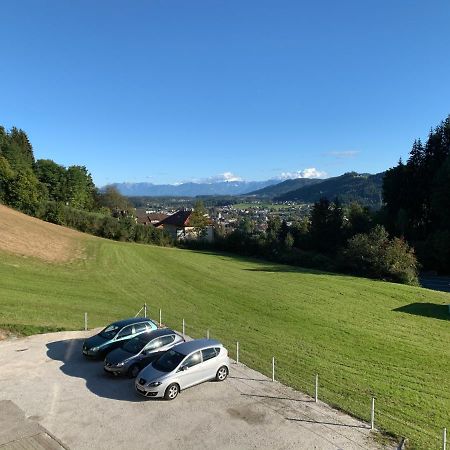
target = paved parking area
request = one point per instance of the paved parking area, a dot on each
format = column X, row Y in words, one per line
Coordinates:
column 47, row 377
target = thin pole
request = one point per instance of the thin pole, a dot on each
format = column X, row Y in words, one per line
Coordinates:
column 207, row 333
column 444, row 439
column 160, row 317
column 237, row 352
column 372, row 415
column 145, row 310
column 273, row 368
column 85, row 321
column 316, row 396
column 184, row 330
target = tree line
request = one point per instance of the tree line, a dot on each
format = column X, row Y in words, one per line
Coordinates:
column 65, row 195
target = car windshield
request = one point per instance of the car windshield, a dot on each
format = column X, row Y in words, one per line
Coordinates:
column 136, row 344
column 168, row 361
column 110, row 331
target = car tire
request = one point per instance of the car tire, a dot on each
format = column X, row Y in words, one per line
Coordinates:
column 133, row 371
column 172, row 391
column 222, row 373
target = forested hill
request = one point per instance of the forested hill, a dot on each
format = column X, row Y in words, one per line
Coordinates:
column 284, row 187
column 350, row 187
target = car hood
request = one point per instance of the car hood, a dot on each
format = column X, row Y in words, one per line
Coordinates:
column 95, row 341
column 149, row 373
column 118, row 355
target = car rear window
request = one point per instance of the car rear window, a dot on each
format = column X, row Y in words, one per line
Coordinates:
column 209, row 353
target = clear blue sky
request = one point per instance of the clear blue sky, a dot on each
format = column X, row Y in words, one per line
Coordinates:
column 172, row 90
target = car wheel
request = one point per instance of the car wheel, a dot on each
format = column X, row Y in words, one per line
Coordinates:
column 133, row 371
column 172, row 391
column 222, row 373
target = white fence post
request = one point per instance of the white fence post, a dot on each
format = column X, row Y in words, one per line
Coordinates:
column 85, row 322
column 316, row 394
column 444, row 439
column 372, row 415
column 184, row 329
column 160, row 317
column 273, row 368
column 145, row 310
column 237, row 352
column 207, row 333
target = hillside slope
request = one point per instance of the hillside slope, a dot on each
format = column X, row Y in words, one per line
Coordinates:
column 283, row 187
column 362, row 337
column 27, row 236
column 363, row 188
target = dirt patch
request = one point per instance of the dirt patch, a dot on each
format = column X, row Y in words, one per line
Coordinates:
column 27, row 236
column 247, row 415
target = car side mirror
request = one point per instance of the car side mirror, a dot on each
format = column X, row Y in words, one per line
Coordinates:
column 183, row 368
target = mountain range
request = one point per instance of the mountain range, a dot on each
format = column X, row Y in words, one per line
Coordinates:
column 191, row 189
column 363, row 188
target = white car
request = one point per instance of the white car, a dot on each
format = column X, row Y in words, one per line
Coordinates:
column 183, row 366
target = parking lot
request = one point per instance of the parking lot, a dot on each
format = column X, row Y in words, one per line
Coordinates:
column 47, row 377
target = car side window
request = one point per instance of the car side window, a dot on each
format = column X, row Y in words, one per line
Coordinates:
column 209, row 353
column 127, row 331
column 139, row 327
column 166, row 340
column 217, row 349
column 193, row 360
column 153, row 344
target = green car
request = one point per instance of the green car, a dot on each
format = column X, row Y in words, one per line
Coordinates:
column 115, row 334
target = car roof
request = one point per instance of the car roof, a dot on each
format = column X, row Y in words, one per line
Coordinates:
column 124, row 322
column 149, row 335
column 197, row 344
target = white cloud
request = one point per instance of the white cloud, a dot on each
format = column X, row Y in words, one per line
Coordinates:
column 221, row 177
column 310, row 172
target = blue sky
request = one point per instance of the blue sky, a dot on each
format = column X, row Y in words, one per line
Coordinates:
column 174, row 90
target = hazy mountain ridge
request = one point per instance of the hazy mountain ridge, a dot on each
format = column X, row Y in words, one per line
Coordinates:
column 284, row 187
column 191, row 189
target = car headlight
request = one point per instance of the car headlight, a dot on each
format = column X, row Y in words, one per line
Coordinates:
column 95, row 349
column 120, row 364
column 154, row 384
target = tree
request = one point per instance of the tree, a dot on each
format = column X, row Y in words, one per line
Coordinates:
column 6, row 176
column 79, row 188
column 53, row 176
column 16, row 148
column 112, row 199
column 199, row 218
column 25, row 192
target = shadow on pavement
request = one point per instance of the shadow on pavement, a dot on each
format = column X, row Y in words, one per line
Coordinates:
column 432, row 310
column 279, row 398
column 326, row 423
column 97, row 381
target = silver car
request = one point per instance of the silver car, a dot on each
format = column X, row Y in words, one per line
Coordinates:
column 183, row 366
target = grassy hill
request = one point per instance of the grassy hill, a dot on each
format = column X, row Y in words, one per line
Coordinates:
column 282, row 188
column 352, row 186
column 362, row 337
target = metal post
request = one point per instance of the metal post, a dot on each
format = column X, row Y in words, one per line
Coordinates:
column 160, row 317
column 444, row 439
column 184, row 330
column 237, row 352
column 273, row 368
column 145, row 310
column 207, row 333
column 85, row 322
column 372, row 415
column 316, row 396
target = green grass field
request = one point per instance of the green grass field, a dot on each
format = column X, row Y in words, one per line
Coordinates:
column 364, row 338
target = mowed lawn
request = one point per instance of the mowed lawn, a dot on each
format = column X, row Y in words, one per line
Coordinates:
column 364, row 338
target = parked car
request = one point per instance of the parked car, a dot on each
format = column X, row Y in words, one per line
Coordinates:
column 115, row 334
column 140, row 351
column 183, row 366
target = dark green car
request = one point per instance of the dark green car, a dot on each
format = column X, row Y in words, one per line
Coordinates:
column 115, row 334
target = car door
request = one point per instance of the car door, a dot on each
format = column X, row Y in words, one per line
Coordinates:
column 150, row 352
column 190, row 369
column 124, row 334
column 139, row 328
column 209, row 364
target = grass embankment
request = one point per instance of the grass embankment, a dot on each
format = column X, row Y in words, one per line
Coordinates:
column 362, row 337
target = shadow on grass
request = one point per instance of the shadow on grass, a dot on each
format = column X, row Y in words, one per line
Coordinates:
column 97, row 381
column 274, row 397
column 432, row 310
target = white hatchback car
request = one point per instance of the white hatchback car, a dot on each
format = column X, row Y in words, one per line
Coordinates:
column 183, row 366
